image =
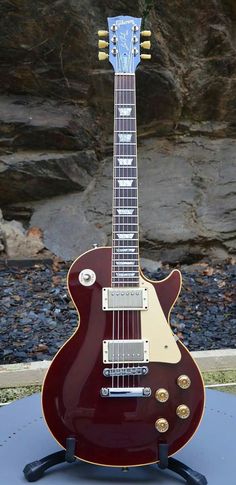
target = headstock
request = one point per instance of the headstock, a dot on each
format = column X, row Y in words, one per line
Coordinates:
column 123, row 43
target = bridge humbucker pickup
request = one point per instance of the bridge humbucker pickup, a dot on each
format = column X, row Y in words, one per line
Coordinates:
column 125, row 392
column 125, row 351
column 124, row 299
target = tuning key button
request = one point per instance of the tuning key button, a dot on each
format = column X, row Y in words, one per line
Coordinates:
column 102, row 44
column 184, row 381
column 146, row 44
column 145, row 56
column 103, row 33
column 102, row 56
column 146, row 33
column 87, row 277
column 183, row 411
column 162, row 395
column 162, row 425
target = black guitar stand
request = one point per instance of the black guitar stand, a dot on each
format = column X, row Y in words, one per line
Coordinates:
column 35, row 470
column 191, row 476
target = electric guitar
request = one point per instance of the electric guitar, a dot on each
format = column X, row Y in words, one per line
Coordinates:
column 123, row 384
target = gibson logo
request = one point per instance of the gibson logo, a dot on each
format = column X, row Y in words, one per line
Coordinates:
column 124, row 22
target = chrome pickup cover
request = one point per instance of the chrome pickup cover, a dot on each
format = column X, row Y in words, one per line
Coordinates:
column 125, row 392
column 125, row 351
column 124, row 299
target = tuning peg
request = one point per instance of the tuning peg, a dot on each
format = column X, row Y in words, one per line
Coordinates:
column 103, row 33
column 145, row 56
column 102, row 44
column 102, row 56
column 146, row 33
column 146, row 44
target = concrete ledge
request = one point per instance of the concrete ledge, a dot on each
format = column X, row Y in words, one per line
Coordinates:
column 213, row 360
column 32, row 373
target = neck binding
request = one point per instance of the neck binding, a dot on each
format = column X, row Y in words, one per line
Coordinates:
column 125, row 245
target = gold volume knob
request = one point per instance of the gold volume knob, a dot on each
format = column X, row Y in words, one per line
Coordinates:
column 102, row 44
column 146, row 33
column 162, row 395
column 102, row 56
column 103, row 33
column 184, row 381
column 146, row 44
column 145, row 56
column 183, row 411
column 162, row 425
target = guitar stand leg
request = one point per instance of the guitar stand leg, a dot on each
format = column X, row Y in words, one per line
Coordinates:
column 191, row 476
column 35, row 470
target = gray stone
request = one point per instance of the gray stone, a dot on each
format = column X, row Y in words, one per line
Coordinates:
column 186, row 195
column 67, row 231
column 35, row 175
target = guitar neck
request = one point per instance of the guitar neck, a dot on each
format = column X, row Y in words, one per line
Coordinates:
column 125, row 244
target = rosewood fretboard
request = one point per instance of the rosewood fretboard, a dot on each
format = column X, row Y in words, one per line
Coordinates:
column 125, row 245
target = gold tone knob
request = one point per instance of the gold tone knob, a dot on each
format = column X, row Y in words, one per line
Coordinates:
column 162, row 395
column 103, row 33
column 146, row 33
column 162, row 425
column 146, row 44
column 102, row 56
column 184, row 381
column 183, row 411
column 145, row 56
column 102, row 44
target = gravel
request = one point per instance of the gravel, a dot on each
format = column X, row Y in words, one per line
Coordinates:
column 37, row 315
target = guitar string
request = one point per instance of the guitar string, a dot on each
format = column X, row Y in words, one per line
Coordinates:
column 113, row 231
column 131, row 100
column 118, row 240
column 128, row 173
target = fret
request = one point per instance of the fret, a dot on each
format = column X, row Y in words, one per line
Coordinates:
column 125, row 247
column 124, row 119
column 127, row 197
column 126, row 89
column 125, row 263
column 129, row 251
column 124, row 104
column 122, row 131
column 124, row 224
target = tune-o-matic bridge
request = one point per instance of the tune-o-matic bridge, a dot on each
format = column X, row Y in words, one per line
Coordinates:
column 125, row 371
column 125, row 351
column 124, row 299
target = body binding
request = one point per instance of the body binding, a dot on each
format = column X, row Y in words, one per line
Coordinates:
column 118, row 431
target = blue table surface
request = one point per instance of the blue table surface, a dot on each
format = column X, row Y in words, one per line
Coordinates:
column 24, row 437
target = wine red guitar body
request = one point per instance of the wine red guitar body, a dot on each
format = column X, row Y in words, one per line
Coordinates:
column 116, row 431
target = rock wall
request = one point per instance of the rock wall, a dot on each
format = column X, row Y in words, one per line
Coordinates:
column 56, row 122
